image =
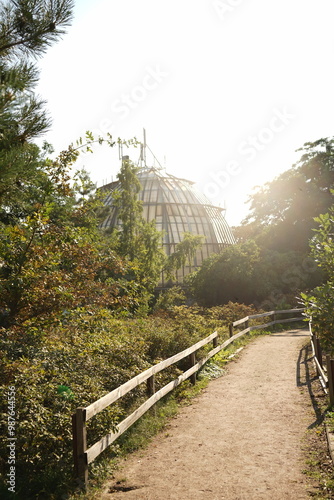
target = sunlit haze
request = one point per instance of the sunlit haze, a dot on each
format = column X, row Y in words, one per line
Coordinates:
column 226, row 90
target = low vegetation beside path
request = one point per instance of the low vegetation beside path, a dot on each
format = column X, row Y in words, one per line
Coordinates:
column 76, row 358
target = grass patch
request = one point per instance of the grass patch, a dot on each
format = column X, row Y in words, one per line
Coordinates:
column 319, row 466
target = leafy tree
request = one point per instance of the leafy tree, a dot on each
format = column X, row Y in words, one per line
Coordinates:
column 319, row 302
column 55, row 257
column 129, row 208
column 150, row 257
column 281, row 222
column 282, row 212
column 185, row 252
column 227, row 276
column 51, row 255
column 136, row 240
column 322, row 245
column 249, row 274
column 139, row 241
column 279, row 278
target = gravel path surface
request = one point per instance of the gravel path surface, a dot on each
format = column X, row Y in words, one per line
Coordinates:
column 241, row 439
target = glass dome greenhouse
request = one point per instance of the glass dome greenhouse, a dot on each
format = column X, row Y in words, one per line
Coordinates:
column 177, row 207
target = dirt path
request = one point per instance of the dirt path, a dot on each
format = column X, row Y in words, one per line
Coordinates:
column 241, row 439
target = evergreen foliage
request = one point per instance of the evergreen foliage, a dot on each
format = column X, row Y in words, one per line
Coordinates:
column 27, row 29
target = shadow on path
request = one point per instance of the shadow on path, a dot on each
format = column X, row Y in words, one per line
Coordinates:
column 306, row 377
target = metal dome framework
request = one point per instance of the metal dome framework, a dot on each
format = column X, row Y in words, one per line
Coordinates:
column 177, row 207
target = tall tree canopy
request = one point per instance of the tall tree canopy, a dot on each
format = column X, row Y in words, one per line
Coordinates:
column 51, row 254
column 271, row 265
column 282, row 211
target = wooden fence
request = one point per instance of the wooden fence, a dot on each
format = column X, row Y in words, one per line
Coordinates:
column 83, row 456
column 325, row 371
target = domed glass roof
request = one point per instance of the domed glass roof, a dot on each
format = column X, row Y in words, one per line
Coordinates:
column 177, row 207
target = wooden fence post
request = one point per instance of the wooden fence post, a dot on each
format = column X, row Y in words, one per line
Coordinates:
column 312, row 337
column 150, row 388
column 150, row 383
column 247, row 324
column 316, row 351
column 319, row 352
column 330, row 375
column 192, row 362
column 230, row 327
column 80, row 445
column 215, row 342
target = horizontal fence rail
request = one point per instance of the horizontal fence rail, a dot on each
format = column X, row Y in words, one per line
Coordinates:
column 274, row 321
column 83, row 456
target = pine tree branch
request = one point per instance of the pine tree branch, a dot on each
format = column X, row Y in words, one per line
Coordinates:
column 25, row 41
column 32, row 25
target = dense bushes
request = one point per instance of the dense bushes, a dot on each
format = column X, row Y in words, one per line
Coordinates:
column 249, row 274
column 73, row 360
column 71, row 365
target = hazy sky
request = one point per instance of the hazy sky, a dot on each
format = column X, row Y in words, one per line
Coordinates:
column 226, row 90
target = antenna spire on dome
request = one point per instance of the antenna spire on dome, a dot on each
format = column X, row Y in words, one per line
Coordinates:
column 143, row 151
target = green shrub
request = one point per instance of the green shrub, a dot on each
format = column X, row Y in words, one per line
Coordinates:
column 72, row 360
column 169, row 298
